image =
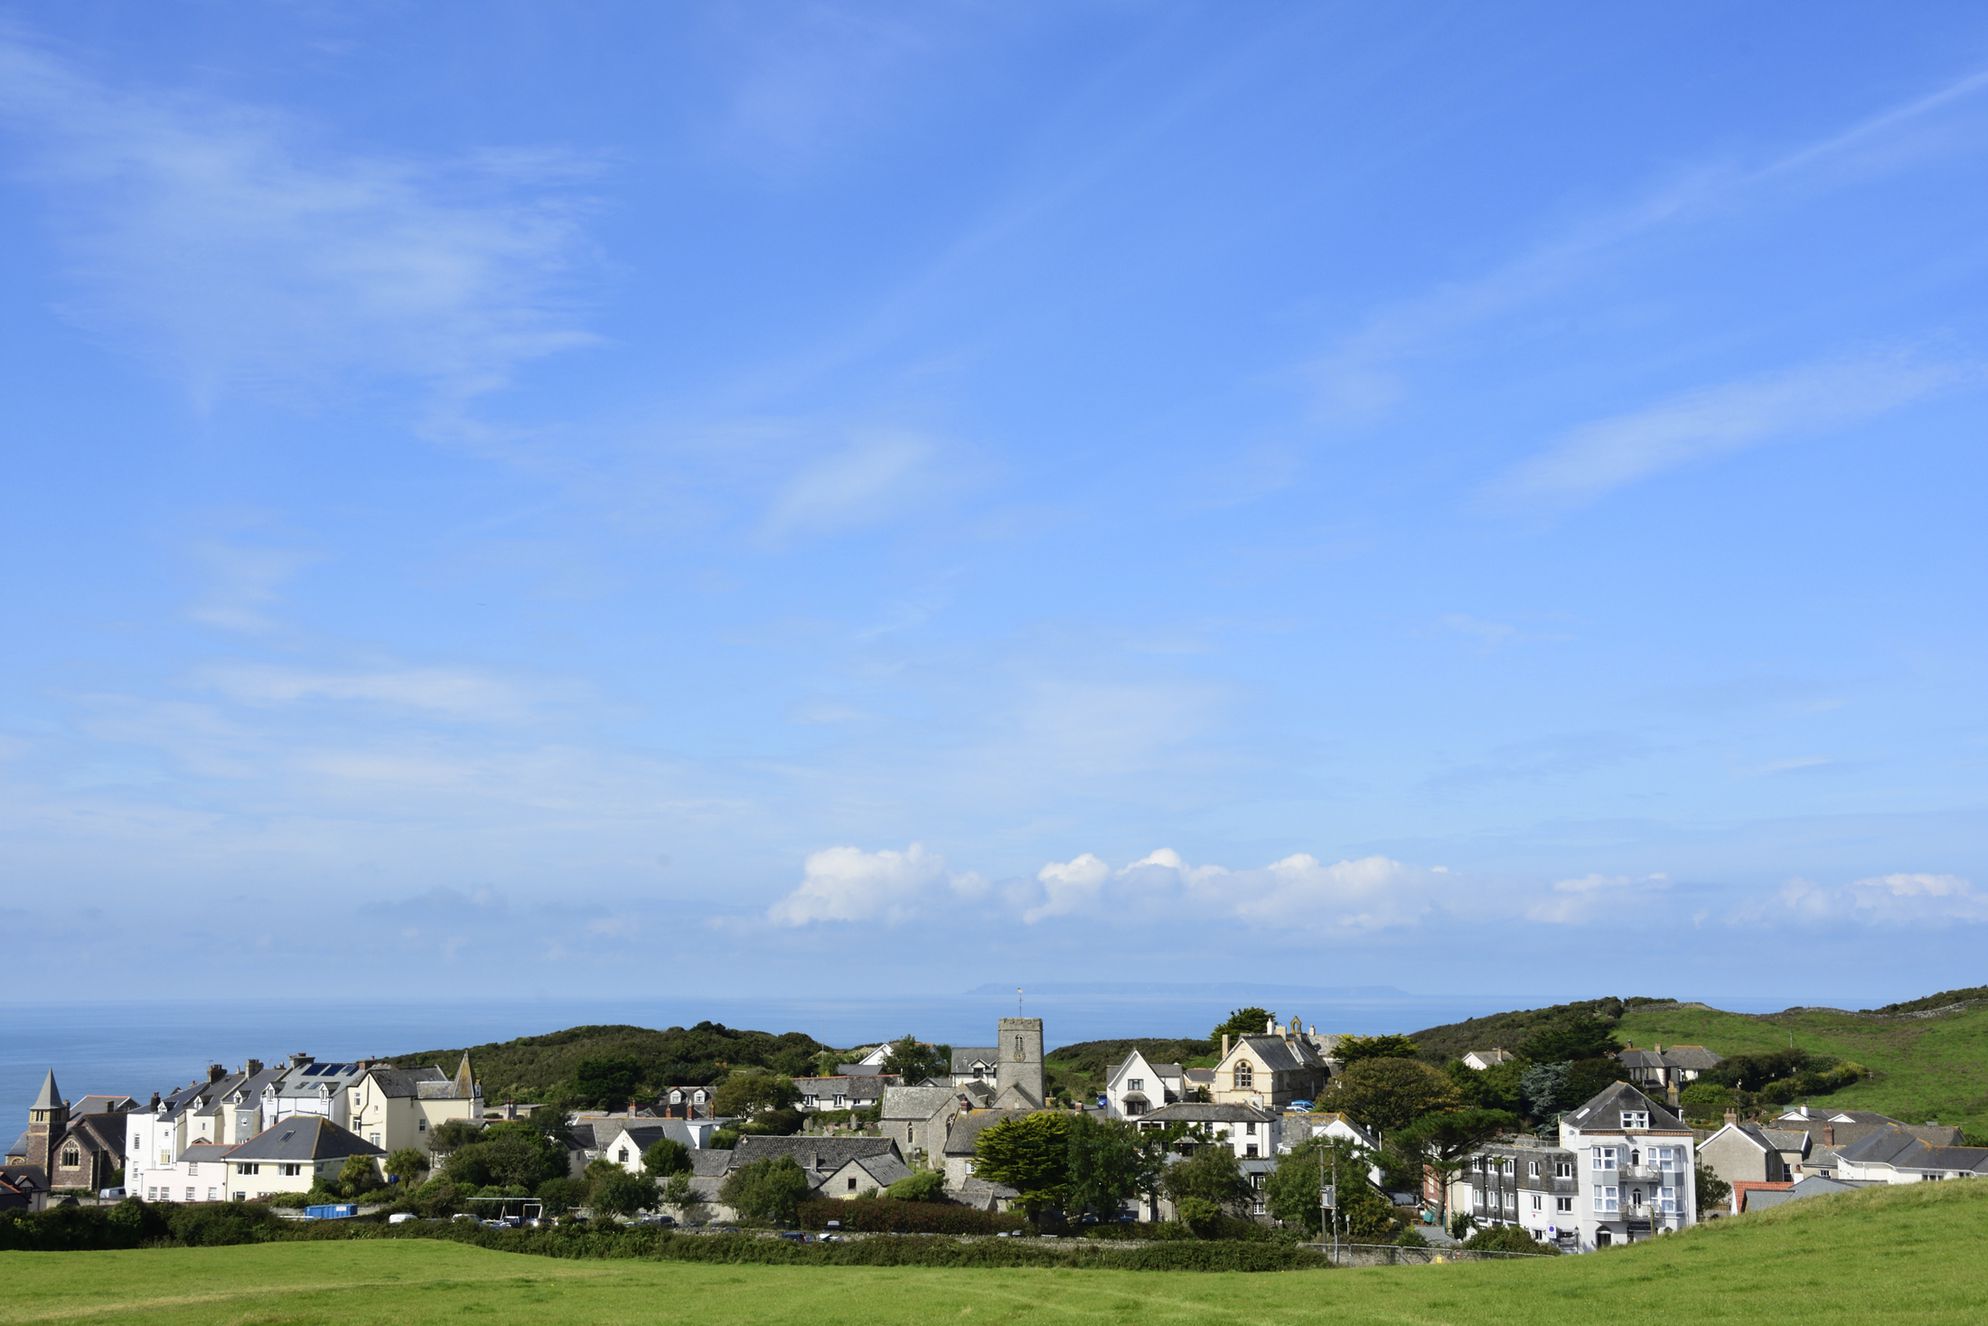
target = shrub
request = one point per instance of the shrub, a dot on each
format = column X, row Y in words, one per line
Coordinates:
column 1411, row 1237
column 765, row 1191
column 925, row 1186
column 902, row 1217
column 1507, row 1238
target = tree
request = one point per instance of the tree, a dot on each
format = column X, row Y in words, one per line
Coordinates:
column 1291, row 1193
column 1352, row 1049
column 678, row 1192
column 1242, row 1022
column 1442, row 1141
column 665, row 1156
column 1209, row 1175
column 766, row 1192
column 606, row 1082
column 925, row 1185
column 1107, row 1165
column 749, row 1091
column 617, row 1192
column 452, row 1133
column 914, row 1061
column 1580, row 1037
column 1544, row 1087
column 562, row 1194
column 1508, row 1238
column 1031, row 1155
column 510, row 1155
column 358, row 1176
column 1385, row 1094
column 407, row 1165
column 1499, row 1087
column 1711, row 1191
column 1706, row 1102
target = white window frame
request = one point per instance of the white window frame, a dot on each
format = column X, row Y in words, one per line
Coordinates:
column 1604, row 1161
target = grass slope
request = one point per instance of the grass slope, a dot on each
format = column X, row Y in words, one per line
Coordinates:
column 1507, row 1031
column 1914, row 1254
column 1928, row 1063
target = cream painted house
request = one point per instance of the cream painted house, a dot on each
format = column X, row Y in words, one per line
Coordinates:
column 1272, row 1070
column 291, row 1157
column 393, row 1108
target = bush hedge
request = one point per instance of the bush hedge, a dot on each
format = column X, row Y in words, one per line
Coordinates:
column 891, row 1216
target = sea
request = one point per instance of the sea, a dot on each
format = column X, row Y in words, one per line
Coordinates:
column 137, row 1047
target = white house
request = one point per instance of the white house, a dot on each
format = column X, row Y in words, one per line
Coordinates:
column 1893, row 1155
column 200, row 1174
column 1634, row 1164
column 1250, row 1131
column 1138, row 1086
column 291, row 1157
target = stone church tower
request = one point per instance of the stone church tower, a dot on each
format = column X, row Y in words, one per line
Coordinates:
column 48, row 1120
column 1018, row 1064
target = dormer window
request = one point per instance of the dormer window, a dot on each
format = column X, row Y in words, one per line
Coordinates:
column 1635, row 1120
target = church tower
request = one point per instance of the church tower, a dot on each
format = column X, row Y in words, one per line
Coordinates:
column 1018, row 1063
column 48, row 1120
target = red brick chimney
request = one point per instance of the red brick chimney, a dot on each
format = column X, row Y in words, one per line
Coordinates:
column 1829, row 1134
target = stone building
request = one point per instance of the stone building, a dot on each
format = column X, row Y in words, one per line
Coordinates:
column 73, row 1149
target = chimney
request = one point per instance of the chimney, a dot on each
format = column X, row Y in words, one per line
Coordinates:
column 155, row 1102
column 299, row 1059
column 1829, row 1134
column 1225, row 1045
column 254, row 1067
column 1732, row 1115
column 215, row 1072
column 1312, row 1029
column 1270, row 1026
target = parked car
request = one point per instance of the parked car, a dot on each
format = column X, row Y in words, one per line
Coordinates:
column 401, row 1217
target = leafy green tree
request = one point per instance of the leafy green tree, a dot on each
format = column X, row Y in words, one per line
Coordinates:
column 408, row 1166
column 746, row 1092
column 1706, row 1102
column 1207, row 1185
column 452, row 1133
column 1385, row 1094
column 617, row 1192
column 1508, row 1238
column 1107, row 1165
column 665, row 1156
column 1499, row 1087
column 925, row 1185
column 1031, row 1155
column 1587, row 1077
column 1544, row 1087
column 1292, row 1190
column 1712, row 1192
column 678, row 1192
column 1352, row 1049
column 510, row 1155
column 359, row 1176
column 562, row 1194
column 1579, row 1037
column 766, row 1192
column 914, row 1061
column 1442, row 1141
column 606, row 1082
column 1242, row 1022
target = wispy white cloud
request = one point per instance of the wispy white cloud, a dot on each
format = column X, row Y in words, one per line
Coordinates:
column 1366, row 373
column 1885, row 901
column 1591, row 898
column 244, row 584
column 850, row 884
column 244, row 251
column 1297, row 892
column 1595, row 458
column 873, row 479
column 448, row 692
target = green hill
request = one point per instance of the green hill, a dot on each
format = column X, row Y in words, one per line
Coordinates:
column 1507, row 1031
column 1928, row 1059
column 1079, row 1070
column 535, row 1067
column 1915, row 1254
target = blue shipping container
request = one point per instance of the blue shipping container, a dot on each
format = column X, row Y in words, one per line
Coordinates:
column 332, row 1211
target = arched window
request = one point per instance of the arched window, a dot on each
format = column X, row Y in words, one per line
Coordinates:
column 1635, row 1157
column 1245, row 1075
column 1019, row 1052
column 71, row 1157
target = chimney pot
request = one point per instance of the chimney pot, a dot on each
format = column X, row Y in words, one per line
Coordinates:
column 254, row 1067
column 1225, row 1045
column 215, row 1072
column 1270, row 1026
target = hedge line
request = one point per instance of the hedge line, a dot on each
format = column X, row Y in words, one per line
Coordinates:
column 134, row 1223
column 895, row 1216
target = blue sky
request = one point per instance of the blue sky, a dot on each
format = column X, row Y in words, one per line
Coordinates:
column 785, row 497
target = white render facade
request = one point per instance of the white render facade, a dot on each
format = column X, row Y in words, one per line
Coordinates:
column 1140, row 1086
column 1634, row 1164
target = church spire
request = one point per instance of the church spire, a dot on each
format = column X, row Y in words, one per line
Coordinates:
column 49, row 1098
column 465, row 1083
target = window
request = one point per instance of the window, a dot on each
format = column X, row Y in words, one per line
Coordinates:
column 421, row 1125
column 1604, row 1158
column 1667, row 1200
column 1245, row 1076
column 1633, row 1120
column 852, row 1185
column 189, row 1194
column 622, row 1155
column 1135, row 1084
column 1565, row 1204
column 840, row 1100
column 1532, row 1169
column 1669, row 1158
column 151, row 1194
column 211, row 1194
column 374, row 1138
column 1511, row 1201
column 1608, row 1199
column 71, row 1157
column 292, row 1171
column 1019, row 1052
column 1537, row 1202
column 1563, row 1169
column 248, row 1169
column 1250, row 1150
column 1250, row 1128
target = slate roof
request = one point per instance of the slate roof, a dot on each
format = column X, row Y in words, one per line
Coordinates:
column 1192, row 1111
column 885, row 1170
column 710, row 1162
column 982, row 1194
column 1160, row 1070
column 1896, row 1147
column 1280, row 1055
column 1848, row 1126
column 304, row 1137
column 1602, row 1113
column 420, row 1083
column 1812, row 1186
column 1786, row 1139
column 856, row 1086
column 641, row 1134
column 100, row 1103
column 201, row 1152
column 1491, row 1056
column 965, row 1056
column 967, row 1128
column 50, row 1096
column 101, row 1132
column 916, row 1104
column 816, row 1155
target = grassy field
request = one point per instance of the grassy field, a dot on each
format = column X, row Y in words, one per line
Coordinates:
column 1912, row 1254
column 1923, row 1067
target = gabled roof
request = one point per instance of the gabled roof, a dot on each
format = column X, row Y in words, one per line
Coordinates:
column 641, row 1134
column 885, row 1169
column 422, row 1083
column 1278, row 1054
column 1602, row 1113
column 1896, row 1147
column 98, row 1102
column 1490, row 1056
column 99, row 1132
column 304, row 1137
column 916, row 1104
column 816, row 1155
column 965, row 1130
column 1194, row 1111
column 966, row 1056
column 199, row 1152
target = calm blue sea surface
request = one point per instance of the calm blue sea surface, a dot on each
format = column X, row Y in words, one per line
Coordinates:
column 139, row 1048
